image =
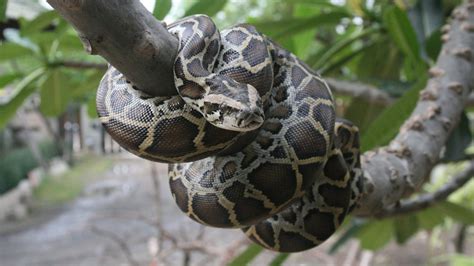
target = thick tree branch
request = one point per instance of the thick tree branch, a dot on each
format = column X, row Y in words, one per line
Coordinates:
column 399, row 169
column 128, row 37
column 427, row 200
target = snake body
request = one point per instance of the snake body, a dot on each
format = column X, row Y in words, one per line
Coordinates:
column 252, row 138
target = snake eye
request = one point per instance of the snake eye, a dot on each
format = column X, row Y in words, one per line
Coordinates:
column 210, row 107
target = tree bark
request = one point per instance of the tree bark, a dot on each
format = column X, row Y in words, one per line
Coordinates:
column 399, row 169
column 128, row 37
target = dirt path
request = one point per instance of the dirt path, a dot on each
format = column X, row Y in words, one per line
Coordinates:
column 114, row 220
column 113, row 214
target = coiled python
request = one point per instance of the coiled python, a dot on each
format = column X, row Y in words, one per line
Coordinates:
column 251, row 138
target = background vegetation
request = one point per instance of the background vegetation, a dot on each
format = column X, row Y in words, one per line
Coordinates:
column 387, row 44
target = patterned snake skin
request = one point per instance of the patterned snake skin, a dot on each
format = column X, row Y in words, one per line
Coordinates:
column 252, row 139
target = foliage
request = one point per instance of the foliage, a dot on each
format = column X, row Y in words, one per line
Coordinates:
column 247, row 255
column 15, row 165
column 69, row 185
column 3, row 9
column 386, row 125
column 33, row 59
column 162, row 7
column 389, row 44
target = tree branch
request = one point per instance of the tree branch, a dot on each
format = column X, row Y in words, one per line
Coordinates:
column 396, row 171
column 354, row 89
column 427, row 200
column 128, row 37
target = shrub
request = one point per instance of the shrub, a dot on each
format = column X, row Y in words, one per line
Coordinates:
column 15, row 165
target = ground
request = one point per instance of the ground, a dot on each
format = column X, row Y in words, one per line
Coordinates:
column 114, row 221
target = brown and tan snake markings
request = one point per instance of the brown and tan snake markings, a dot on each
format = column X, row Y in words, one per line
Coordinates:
column 251, row 138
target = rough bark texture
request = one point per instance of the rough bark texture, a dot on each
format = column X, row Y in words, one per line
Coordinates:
column 399, row 169
column 128, row 37
column 125, row 34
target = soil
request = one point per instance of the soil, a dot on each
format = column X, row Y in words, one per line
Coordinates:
column 117, row 220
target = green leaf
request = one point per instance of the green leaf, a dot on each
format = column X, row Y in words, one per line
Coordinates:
column 456, row 211
column 284, row 28
column 405, row 226
column 323, row 3
column 303, row 42
column 383, row 61
column 91, row 107
column 338, row 46
column 247, row 255
column 162, row 7
column 13, row 36
column 207, row 7
column 387, row 124
column 13, row 51
column 38, row 24
column 22, row 90
column 401, row 31
column 70, row 42
column 458, row 141
column 430, row 218
column 8, row 78
column 279, row 259
column 433, row 45
column 461, row 260
column 376, row 234
column 89, row 85
column 362, row 112
column 55, row 93
column 3, row 10
column 352, row 231
column 346, row 58
column 356, row 6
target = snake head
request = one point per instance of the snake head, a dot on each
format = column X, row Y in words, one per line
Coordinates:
column 240, row 112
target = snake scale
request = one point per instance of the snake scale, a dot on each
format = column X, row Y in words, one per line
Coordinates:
column 251, row 139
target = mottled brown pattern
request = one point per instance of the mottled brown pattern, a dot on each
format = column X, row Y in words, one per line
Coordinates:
column 288, row 180
column 306, row 148
column 280, row 188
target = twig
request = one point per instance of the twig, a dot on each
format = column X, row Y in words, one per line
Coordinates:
column 122, row 244
column 460, row 238
column 355, row 89
column 429, row 199
column 198, row 246
column 81, row 65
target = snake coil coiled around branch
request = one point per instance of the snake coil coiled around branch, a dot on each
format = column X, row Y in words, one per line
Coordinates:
column 252, row 139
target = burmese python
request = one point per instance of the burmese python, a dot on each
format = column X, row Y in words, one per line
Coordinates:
column 252, row 139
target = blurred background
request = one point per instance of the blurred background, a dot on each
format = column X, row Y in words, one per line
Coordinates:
column 69, row 195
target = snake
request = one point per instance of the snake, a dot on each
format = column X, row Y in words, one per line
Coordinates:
column 251, row 137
